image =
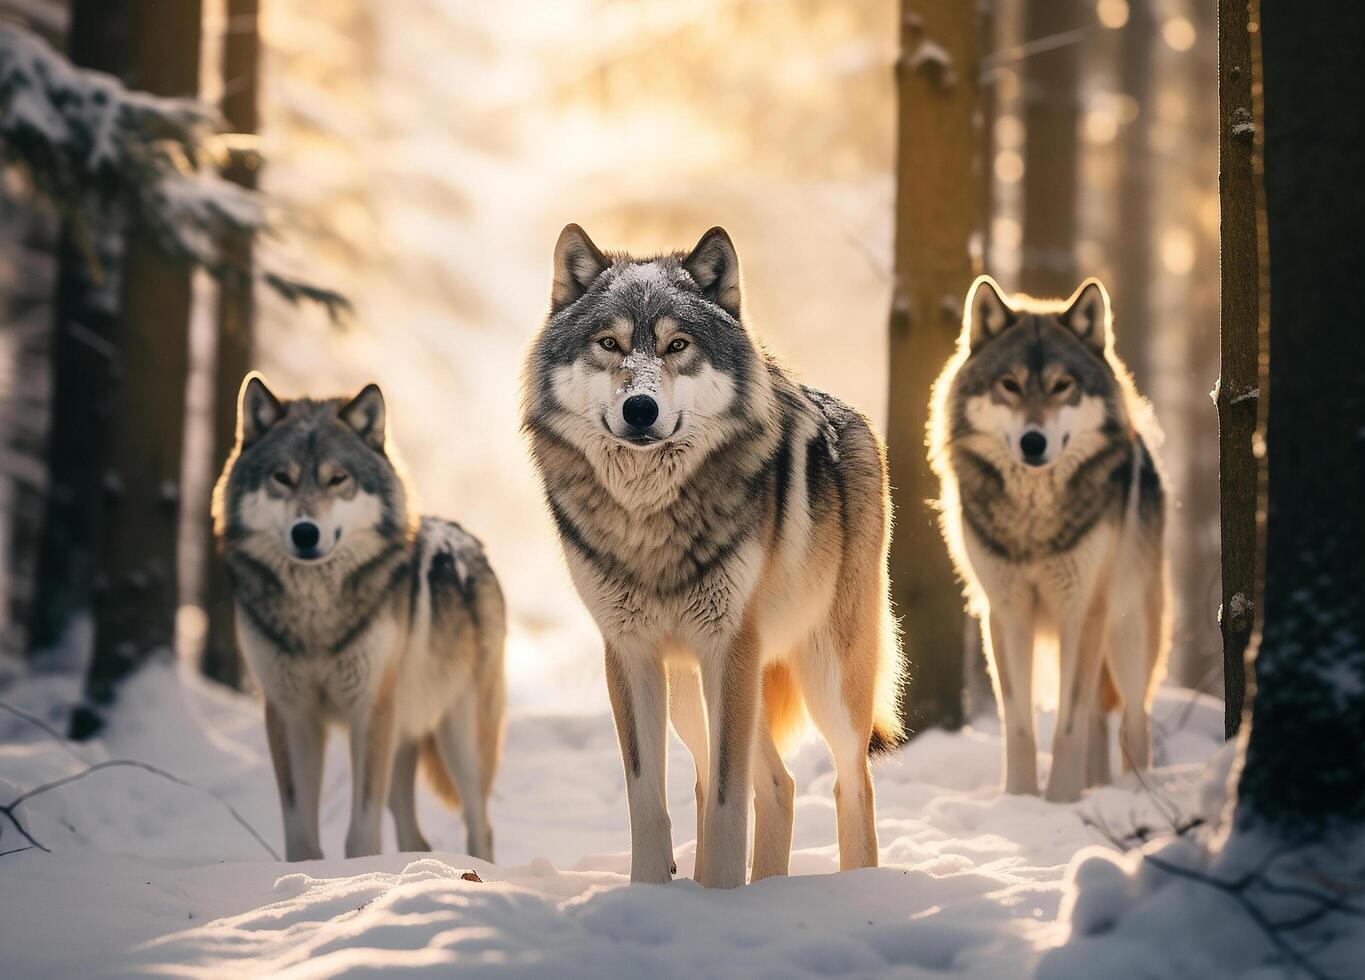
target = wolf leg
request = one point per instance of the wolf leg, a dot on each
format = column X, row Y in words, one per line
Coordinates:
column 403, row 797
column 1008, row 634
column 774, row 804
column 1097, row 746
column 1081, row 637
column 372, row 738
column 687, row 711
column 1129, row 665
column 457, row 740
column 730, row 681
column 639, row 700
column 845, row 721
column 296, row 745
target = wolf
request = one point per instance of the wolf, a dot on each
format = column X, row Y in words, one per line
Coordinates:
column 352, row 610
column 1054, row 510
column 727, row 529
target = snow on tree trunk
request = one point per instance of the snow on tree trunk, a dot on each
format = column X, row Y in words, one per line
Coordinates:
column 1305, row 761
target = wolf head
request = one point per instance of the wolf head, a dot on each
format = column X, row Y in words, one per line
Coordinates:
column 1036, row 375
column 645, row 356
column 309, row 481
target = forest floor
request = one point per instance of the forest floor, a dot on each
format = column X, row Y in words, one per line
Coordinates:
column 148, row 877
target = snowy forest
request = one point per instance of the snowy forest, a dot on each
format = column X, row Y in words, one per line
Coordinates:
column 353, row 193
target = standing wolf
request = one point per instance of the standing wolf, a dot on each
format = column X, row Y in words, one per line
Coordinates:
column 727, row 528
column 350, row 610
column 1054, row 511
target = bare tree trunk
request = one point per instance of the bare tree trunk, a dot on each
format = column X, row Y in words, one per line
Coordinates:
column 241, row 72
column 83, row 356
column 1238, row 391
column 937, row 212
column 135, row 608
column 1134, row 228
column 1310, row 668
column 1051, row 153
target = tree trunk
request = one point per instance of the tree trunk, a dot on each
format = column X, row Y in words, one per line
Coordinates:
column 83, row 358
column 1135, row 200
column 135, row 607
column 938, row 208
column 241, row 72
column 1051, row 115
column 1238, row 391
column 1306, row 749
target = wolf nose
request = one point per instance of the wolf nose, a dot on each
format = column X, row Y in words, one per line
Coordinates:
column 1033, row 444
column 640, row 411
column 305, row 535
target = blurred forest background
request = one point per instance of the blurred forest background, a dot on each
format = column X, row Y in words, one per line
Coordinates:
column 421, row 158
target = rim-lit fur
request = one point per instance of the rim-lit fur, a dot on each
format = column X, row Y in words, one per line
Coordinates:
column 351, row 610
column 731, row 548
column 1053, row 507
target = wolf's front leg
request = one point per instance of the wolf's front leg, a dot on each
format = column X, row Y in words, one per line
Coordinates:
column 730, row 680
column 296, row 742
column 1080, row 642
column 1008, row 632
column 639, row 701
column 372, row 744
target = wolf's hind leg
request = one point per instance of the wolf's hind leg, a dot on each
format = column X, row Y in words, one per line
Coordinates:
column 1097, row 746
column 403, row 797
column 457, row 741
column 296, row 747
column 841, row 708
column 774, row 788
column 1129, row 664
column 687, row 711
column 1008, row 635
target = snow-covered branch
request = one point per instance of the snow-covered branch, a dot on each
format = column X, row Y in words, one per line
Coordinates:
column 96, row 148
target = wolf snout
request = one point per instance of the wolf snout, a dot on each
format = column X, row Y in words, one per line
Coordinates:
column 305, row 536
column 640, row 411
column 1033, row 444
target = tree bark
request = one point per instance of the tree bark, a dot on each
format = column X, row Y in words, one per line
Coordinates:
column 1051, row 115
column 1306, row 748
column 135, row 607
column 938, row 208
column 83, row 355
column 1238, row 391
column 241, row 72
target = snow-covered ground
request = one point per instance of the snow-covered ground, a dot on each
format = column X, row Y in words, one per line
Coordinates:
column 149, row 877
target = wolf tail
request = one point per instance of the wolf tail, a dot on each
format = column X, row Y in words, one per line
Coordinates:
column 437, row 775
column 888, row 729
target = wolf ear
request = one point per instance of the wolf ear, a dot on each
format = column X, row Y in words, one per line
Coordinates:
column 257, row 409
column 987, row 312
column 714, row 264
column 365, row 414
column 577, row 263
column 1087, row 313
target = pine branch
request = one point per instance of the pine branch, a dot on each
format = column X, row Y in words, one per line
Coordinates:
column 96, row 149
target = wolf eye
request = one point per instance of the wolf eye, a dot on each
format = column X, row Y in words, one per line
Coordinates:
column 282, row 478
column 608, row 343
column 677, row 344
column 1061, row 385
column 337, row 479
column 1012, row 386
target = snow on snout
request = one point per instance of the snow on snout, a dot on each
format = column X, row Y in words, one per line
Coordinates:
column 646, row 373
